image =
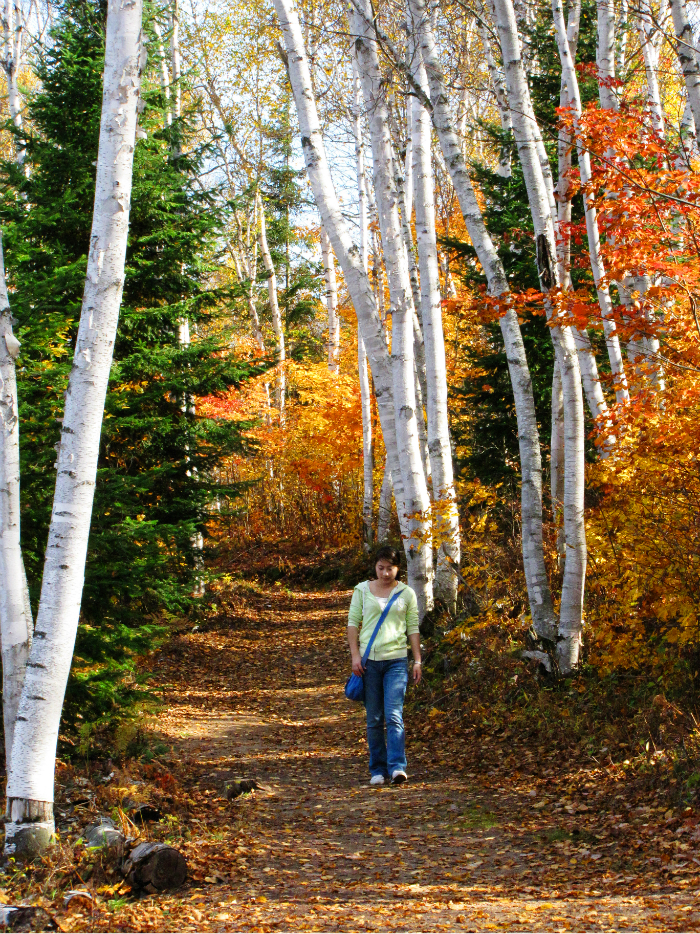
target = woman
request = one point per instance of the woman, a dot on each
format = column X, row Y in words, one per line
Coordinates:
column 385, row 674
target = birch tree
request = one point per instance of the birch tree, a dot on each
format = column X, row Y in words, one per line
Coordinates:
column 416, row 501
column 528, row 438
column 30, row 786
column 594, row 247
column 13, row 36
column 444, row 497
column 280, row 388
column 362, row 364
column 15, row 611
column 571, row 610
column 347, row 252
column 331, row 301
column 688, row 58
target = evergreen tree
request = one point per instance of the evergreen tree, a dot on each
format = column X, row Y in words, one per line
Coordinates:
column 155, row 478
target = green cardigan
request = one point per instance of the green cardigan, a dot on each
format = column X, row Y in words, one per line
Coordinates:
column 401, row 620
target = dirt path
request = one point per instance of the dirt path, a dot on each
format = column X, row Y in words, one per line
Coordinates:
column 260, row 695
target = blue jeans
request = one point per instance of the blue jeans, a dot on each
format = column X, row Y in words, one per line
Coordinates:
column 385, row 687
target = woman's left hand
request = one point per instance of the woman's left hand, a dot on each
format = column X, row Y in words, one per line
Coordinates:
column 417, row 672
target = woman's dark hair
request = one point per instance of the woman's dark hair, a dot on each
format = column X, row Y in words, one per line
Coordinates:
column 387, row 553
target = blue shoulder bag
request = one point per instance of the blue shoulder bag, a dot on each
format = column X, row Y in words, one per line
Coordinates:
column 355, row 685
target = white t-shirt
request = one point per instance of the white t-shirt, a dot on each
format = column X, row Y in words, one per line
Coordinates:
column 382, row 601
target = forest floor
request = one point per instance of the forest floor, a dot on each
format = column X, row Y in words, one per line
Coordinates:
column 471, row 842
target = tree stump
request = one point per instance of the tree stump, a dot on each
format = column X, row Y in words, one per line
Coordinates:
column 104, row 834
column 153, row 867
column 25, row 918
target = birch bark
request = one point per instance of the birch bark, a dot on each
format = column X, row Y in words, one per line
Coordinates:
column 246, row 261
column 175, row 59
column 164, row 73
column 13, row 27
column 346, row 251
column 384, row 514
column 504, row 167
column 622, row 33
column 571, row 610
column 331, row 301
column 612, row 341
column 280, row 386
column 15, row 612
column 367, row 445
column 557, row 464
column 605, row 54
column 365, row 396
column 646, row 31
column 31, row 780
column 688, row 58
column 446, row 517
column 417, row 543
column 528, row 439
column 587, row 362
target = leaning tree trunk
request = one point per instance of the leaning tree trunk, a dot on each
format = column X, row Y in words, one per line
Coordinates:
column 30, row 784
column 539, row 594
column 347, row 253
column 571, row 610
column 446, row 517
column 280, row 389
column 15, row 611
column 331, row 301
column 417, row 543
column 688, row 58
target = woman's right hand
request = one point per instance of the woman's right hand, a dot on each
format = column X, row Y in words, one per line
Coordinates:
column 357, row 668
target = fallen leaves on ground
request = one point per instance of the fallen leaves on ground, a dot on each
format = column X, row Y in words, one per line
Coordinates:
column 488, row 834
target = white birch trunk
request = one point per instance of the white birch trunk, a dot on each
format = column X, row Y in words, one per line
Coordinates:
column 646, row 30
column 557, row 464
column 164, row 73
column 408, row 164
column 417, row 543
column 384, row 513
column 589, row 369
column 278, row 329
column 622, row 33
column 612, row 341
column 446, row 517
column 246, row 271
column 30, row 785
column 13, row 26
column 605, row 54
column 528, row 439
column 175, row 68
column 347, row 253
column 365, row 394
column 504, row 166
column 367, row 445
column 331, row 301
column 688, row 58
column 571, row 611
column 15, row 611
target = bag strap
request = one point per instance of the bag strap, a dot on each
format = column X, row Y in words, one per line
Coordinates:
column 379, row 625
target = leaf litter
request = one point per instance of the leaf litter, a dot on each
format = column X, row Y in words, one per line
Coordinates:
column 490, row 833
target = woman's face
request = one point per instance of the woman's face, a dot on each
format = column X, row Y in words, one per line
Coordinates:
column 386, row 571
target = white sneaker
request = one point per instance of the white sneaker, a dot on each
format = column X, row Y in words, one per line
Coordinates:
column 376, row 780
column 398, row 777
